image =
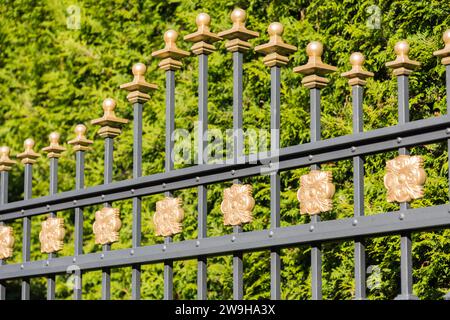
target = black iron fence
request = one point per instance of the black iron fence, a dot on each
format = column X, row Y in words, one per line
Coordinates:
column 404, row 177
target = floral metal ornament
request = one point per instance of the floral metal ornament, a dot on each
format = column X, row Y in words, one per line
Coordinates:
column 52, row 235
column 6, row 242
column 316, row 191
column 404, row 178
column 168, row 217
column 107, row 225
column 237, row 205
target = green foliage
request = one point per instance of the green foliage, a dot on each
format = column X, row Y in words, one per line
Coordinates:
column 53, row 77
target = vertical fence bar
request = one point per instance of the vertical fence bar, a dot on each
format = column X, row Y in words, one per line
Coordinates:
column 110, row 128
column 138, row 96
column 171, row 55
column 237, row 43
column 28, row 158
column 357, row 81
column 203, row 39
column 314, row 70
column 402, row 67
column 276, row 51
column 80, row 146
column 444, row 54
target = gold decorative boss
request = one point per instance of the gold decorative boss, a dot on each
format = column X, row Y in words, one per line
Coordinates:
column 52, row 235
column 107, row 225
column 237, row 205
column 316, row 192
column 168, row 217
column 404, row 178
column 6, row 242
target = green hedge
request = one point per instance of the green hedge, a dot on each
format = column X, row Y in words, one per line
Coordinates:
column 53, row 77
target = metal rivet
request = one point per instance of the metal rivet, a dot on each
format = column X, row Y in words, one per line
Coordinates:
column 271, row 233
column 21, row 266
column 132, row 252
column 74, row 201
column 102, row 256
column 353, row 149
column 233, row 172
column 402, row 216
column 311, row 228
column 22, row 211
column 103, row 196
column 164, row 185
column 74, row 259
column 448, row 131
column 48, row 207
column 233, row 238
column 132, row 191
column 197, row 243
column 399, row 140
column 310, row 157
column 197, row 178
column 47, row 263
column 355, row 222
column 164, row 248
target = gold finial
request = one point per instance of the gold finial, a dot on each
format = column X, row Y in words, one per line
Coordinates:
column 28, row 156
column 171, row 54
column 110, row 124
column 276, row 50
column 238, row 34
column 445, row 52
column 5, row 162
column 402, row 65
column 357, row 75
column 203, row 38
column 315, row 68
column 80, row 143
column 54, row 149
column 138, row 88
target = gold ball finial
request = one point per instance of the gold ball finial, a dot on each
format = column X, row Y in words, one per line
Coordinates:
column 80, row 130
column 170, row 36
column 238, row 16
column 275, row 29
column 28, row 144
column 54, row 137
column 203, row 20
column 139, row 69
column 357, row 59
column 109, row 105
column 314, row 49
column 4, row 152
column 401, row 48
column 446, row 37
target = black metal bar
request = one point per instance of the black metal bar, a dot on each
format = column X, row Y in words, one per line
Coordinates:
column 79, row 185
column 107, row 177
column 358, row 195
column 51, row 284
column 316, row 253
column 447, row 86
column 137, row 172
column 202, row 158
column 275, row 182
column 238, row 148
column 4, row 175
column 170, row 127
column 26, row 241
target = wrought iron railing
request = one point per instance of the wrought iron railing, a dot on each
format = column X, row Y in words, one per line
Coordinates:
column 404, row 178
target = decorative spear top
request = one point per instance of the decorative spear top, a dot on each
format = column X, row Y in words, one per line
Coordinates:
column 80, row 143
column 315, row 68
column 28, row 156
column 54, row 149
column 138, row 88
column 276, row 50
column 110, row 124
column 203, row 38
column 5, row 162
column 445, row 52
column 402, row 65
column 238, row 34
column 171, row 54
column 357, row 75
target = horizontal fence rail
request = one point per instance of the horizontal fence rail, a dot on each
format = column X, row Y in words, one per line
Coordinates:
column 404, row 179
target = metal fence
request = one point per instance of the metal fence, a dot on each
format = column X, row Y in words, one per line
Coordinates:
column 404, row 177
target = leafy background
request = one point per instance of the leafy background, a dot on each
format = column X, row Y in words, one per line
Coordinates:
column 53, row 77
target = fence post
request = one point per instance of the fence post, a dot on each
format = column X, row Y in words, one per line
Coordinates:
column 80, row 145
column 402, row 67
column 277, row 52
column 5, row 166
column 110, row 128
column 357, row 81
column 171, row 56
column 28, row 158
column 314, row 70
column 237, row 43
column 203, row 39
column 444, row 54
column 54, row 152
column 138, row 96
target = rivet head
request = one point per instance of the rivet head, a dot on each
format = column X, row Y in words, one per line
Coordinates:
column 164, row 185
column 74, row 201
column 197, row 243
column 103, row 196
column 197, row 178
column 47, row 263
column 310, row 157
column 270, row 233
column 355, row 222
column 233, row 172
column 353, row 149
column 132, row 191
column 131, row 252
column 21, row 266
column 447, row 131
column 48, row 207
column 74, row 259
column 233, row 238
column 164, row 248
column 22, row 211
column 102, row 256
column 399, row 140
column 311, row 228
column 401, row 216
